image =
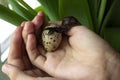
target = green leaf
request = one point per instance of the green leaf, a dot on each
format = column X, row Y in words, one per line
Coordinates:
column 112, row 18
column 40, row 8
column 21, row 10
column 94, row 6
column 101, row 13
column 4, row 3
column 112, row 35
column 98, row 5
column 108, row 6
column 77, row 8
column 10, row 16
column 30, row 9
column 102, row 10
column 51, row 7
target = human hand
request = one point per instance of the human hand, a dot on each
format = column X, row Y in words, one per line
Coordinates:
column 91, row 59
column 19, row 66
column 82, row 55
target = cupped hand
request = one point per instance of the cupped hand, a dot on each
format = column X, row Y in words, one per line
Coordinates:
column 82, row 54
column 19, row 66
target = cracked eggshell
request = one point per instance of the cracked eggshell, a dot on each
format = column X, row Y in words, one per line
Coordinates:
column 51, row 42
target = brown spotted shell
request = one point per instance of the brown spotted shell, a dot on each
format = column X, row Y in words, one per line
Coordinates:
column 51, row 42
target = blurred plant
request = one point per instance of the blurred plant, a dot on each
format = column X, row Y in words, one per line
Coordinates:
column 4, row 3
column 101, row 16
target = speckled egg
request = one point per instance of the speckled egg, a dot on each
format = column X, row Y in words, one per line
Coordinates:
column 51, row 41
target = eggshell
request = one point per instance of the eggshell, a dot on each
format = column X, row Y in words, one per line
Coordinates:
column 51, row 42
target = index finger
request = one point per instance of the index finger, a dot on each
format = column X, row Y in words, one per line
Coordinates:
column 38, row 20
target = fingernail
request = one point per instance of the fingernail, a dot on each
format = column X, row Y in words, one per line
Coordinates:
column 5, row 68
column 23, row 23
column 40, row 13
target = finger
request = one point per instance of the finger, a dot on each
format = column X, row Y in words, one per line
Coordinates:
column 23, row 23
column 16, row 46
column 76, row 29
column 38, row 20
column 28, row 29
column 35, row 57
column 14, row 73
column 47, row 78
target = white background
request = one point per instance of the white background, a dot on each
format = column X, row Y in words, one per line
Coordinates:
column 6, row 29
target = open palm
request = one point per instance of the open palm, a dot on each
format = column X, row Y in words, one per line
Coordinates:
column 79, row 56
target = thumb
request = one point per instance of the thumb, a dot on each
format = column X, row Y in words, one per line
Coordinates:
column 76, row 30
column 14, row 73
